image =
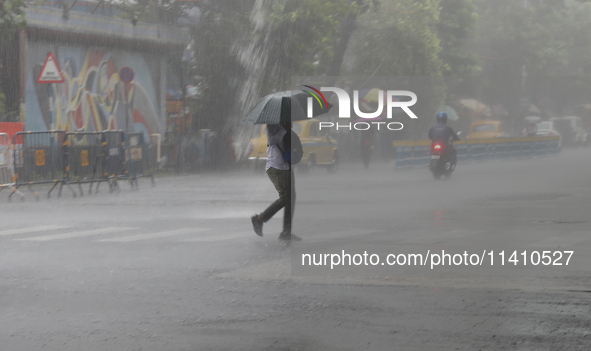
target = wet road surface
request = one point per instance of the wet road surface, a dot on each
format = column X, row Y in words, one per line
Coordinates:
column 177, row 266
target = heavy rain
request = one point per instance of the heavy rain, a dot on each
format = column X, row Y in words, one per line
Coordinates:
column 151, row 152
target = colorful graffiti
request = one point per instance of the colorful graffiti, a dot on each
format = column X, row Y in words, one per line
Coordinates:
column 92, row 97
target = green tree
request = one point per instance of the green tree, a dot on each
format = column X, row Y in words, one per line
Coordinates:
column 302, row 39
column 152, row 11
column 347, row 26
column 216, row 64
column 457, row 25
column 517, row 40
column 296, row 38
column 401, row 40
column 12, row 19
column 579, row 29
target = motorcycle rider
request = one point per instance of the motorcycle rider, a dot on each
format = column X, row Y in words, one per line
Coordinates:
column 443, row 133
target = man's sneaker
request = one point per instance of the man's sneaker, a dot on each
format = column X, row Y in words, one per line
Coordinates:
column 285, row 236
column 257, row 224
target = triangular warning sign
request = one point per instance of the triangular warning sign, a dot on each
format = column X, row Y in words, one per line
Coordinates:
column 50, row 73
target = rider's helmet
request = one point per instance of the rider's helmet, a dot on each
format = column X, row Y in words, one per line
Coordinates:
column 442, row 117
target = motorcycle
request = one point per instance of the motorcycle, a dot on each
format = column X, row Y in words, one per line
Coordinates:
column 442, row 162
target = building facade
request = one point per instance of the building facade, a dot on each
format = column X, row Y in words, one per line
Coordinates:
column 91, row 50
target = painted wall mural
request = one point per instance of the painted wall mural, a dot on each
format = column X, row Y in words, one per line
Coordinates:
column 92, row 97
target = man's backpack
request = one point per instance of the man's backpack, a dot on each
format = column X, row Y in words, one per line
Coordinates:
column 292, row 150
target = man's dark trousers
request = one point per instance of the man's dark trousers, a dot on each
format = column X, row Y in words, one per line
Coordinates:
column 283, row 181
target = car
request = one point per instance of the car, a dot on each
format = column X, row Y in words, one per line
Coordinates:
column 486, row 129
column 570, row 127
column 547, row 128
column 320, row 149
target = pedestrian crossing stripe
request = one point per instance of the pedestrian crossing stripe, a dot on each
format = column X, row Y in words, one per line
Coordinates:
column 156, row 235
column 64, row 232
column 567, row 240
column 7, row 232
column 78, row 234
column 219, row 237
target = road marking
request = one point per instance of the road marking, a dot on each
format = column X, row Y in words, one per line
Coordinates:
column 30, row 230
column 565, row 240
column 341, row 234
column 438, row 237
column 220, row 237
column 79, row 234
column 156, row 235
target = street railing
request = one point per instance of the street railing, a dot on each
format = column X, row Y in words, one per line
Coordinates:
column 7, row 176
column 39, row 158
column 85, row 159
column 139, row 161
column 108, row 157
column 59, row 158
column 417, row 153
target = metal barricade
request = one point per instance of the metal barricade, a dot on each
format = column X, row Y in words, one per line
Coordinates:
column 85, row 159
column 107, row 156
column 138, row 160
column 7, row 178
column 40, row 159
column 113, row 158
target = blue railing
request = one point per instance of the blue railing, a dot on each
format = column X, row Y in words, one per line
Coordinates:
column 417, row 153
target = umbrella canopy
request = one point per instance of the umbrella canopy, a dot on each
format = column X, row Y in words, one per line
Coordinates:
column 499, row 110
column 475, row 106
column 533, row 109
column 285, row 107
column 450, row 112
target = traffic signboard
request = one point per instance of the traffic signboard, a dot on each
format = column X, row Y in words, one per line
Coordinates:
column 50, row 72
column 126, row 74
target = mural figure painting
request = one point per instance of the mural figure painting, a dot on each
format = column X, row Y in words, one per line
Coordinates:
column 93, row 97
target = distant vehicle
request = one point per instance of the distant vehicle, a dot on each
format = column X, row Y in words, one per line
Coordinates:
column 486, row 129
column 571, row 130
column 545, row 128
column 319, row 148
column 442, row 162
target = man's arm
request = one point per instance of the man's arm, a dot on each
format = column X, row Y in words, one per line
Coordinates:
column 453, row 133
column 431, row 133
column 275, row 133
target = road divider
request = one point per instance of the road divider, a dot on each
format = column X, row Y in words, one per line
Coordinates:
column 417, row 153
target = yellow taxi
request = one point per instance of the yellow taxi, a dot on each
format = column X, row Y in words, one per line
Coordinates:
column 486, row 129
column 319, row 148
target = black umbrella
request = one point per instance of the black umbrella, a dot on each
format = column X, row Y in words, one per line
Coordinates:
column 284, row 107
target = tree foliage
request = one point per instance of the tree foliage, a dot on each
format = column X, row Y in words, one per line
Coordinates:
column 151, row 11
column 518, row 40
column 398, row 40
column 456, row 26
column 216, row 64
column 12, row 19
column 302, row 39
column 504, row 43
column 296, row 39
column 401, row 40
